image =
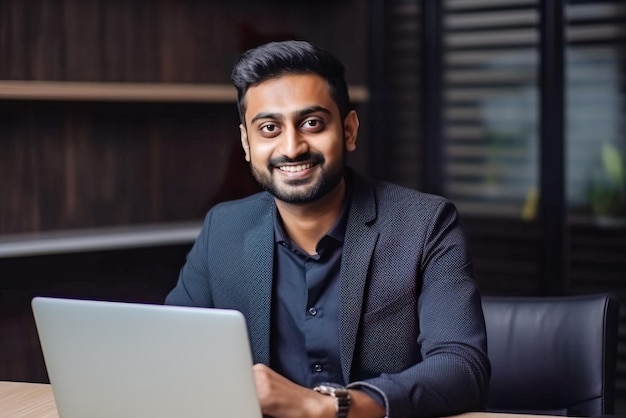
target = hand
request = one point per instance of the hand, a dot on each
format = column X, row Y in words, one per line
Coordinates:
column 281, row 398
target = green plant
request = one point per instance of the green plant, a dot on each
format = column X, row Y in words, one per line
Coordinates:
column 608, row 191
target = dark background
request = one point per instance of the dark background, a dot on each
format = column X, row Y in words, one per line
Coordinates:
column 433, row 69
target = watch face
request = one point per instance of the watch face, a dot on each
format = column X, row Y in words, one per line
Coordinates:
column 330, row 388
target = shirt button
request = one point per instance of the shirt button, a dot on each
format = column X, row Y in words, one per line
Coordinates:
column 312, row 311
column 317, row 368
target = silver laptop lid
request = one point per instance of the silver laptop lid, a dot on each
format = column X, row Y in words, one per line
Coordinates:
column 127, row 360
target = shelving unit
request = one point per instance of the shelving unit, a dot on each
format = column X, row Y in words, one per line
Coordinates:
column 132, row 92
column 115, row 237
column 98, row 239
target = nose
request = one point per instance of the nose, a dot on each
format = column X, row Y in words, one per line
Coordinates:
column 292, row 143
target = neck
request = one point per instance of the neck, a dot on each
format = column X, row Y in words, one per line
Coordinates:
column 305, row 224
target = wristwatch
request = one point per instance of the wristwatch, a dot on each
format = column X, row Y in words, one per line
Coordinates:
column 341, row 395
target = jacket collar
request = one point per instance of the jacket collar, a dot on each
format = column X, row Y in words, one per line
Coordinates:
column 360, row 241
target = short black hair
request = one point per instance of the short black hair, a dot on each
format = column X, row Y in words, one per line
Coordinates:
column 289, row 57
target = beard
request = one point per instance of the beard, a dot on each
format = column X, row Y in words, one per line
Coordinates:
column 300, row 191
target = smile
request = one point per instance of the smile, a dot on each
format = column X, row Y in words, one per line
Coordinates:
column 295, row 168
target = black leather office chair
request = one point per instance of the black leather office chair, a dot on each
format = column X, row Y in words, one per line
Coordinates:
column 552, row 355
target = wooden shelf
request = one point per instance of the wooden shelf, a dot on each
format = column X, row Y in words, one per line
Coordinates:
column 98, row 239
column 131, row 92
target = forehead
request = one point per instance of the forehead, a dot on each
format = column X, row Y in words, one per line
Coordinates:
column 287, row 94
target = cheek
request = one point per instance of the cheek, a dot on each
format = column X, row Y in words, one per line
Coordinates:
column 334, row 149
column 260, row 152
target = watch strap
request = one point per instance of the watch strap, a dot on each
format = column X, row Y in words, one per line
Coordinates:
column 341, row 395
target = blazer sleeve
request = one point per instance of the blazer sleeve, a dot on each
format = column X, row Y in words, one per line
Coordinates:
column 192, row 288
column 453, row 374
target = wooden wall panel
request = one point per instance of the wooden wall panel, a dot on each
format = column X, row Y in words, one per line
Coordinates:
column 166, row 40
column 77, row 165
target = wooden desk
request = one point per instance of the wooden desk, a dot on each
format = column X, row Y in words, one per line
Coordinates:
column 27, row 400
column 35, row 400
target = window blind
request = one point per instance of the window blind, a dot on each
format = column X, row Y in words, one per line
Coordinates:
column 490, row 88
column 595, row 96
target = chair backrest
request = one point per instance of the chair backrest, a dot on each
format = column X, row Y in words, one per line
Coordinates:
column 552, row 355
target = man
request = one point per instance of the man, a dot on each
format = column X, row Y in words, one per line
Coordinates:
column 342, row 282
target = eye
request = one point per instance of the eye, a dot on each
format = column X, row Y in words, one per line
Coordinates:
column 313, row 125
column 269, row 129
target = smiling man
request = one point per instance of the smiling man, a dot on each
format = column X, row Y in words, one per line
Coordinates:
column 359, row 296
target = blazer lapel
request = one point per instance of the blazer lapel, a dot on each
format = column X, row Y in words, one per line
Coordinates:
column 258, row 259
column 360, row 241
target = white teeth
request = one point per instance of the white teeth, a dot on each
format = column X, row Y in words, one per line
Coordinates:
column 295, row 168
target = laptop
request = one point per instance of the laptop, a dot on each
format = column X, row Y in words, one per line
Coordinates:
column 130, row 360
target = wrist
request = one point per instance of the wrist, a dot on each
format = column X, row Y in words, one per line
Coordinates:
column 322, row 407
column 340, row 397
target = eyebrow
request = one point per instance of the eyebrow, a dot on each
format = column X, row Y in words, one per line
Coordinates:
column 299, row 113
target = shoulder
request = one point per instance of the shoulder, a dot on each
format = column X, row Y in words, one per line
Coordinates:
column 391, row 199
column 252, row 202
column 394, row 194
column 248, row 210
column 404, row 209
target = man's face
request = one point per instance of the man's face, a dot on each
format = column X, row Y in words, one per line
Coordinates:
column 294, row 137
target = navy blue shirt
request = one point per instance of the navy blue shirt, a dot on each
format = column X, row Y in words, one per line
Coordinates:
column 305, row 309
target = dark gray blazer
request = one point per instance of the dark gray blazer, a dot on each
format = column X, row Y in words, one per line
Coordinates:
column 411, row 319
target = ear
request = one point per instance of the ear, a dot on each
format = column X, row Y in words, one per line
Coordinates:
column 244, row 141
column 351, row 130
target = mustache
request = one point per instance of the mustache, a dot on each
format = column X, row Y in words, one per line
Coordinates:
column 313, row 157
